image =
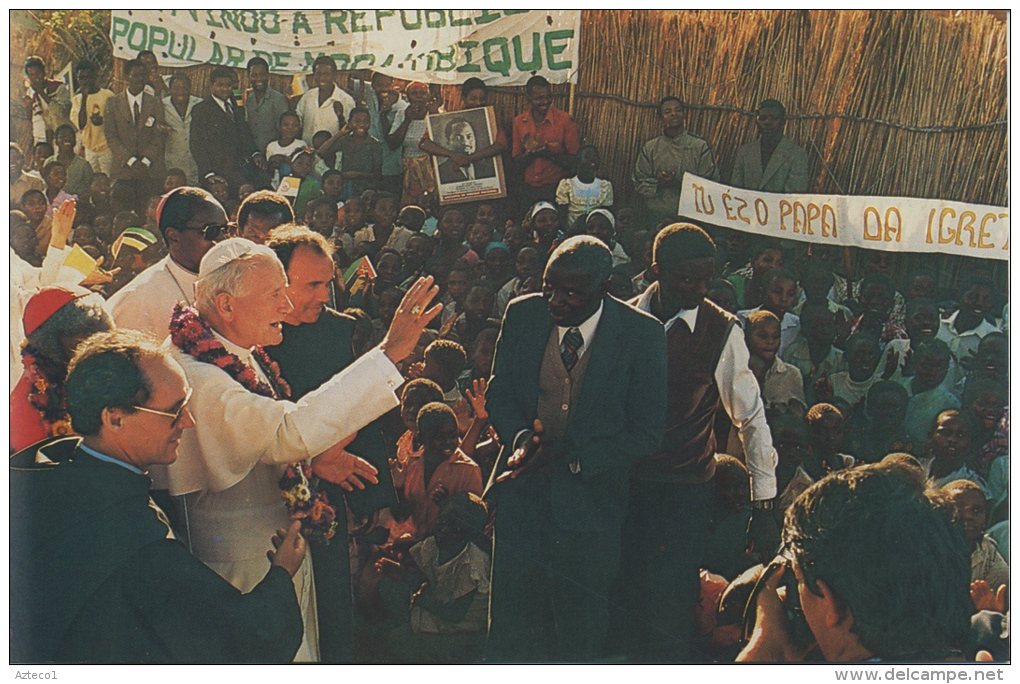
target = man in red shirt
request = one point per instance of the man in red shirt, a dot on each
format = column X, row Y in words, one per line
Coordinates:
column 545, row 141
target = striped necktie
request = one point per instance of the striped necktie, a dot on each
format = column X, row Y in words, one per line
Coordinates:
column 570, row 347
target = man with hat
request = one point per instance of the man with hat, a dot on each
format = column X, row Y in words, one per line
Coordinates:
column 96, row 573
column 667, row 519
column 190, row 221
column 773, row 162
column 247, row 458
column 56, row 320
column 578, row 394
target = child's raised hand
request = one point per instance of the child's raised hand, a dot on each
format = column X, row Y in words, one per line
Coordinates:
column 476, row 397
column 983, row 598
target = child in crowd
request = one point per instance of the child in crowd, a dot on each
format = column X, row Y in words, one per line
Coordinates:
column 79, row 171
column 332, row 188
column 543, row 222
column 449, row 612
column 922, row 285
column 34, row 206
column 288, row 141
column 601, row 223
column 812, row 352
column 722, row 293
column 862, row 358
column 950, row 449
column 497, row 269
column 40, row 153
column 387, row 302
column 526, row 268
column 444, row 360
column 875, row 262
column 877, row 429
column 175, row 178
column 412, row 217
column 320, row 216
column 450, row 232
column 417, row 258
column 383, row 231
column 516, row 238
column 766, row 255
column 302, row 163
column 389, row 267
column 825, row 438
column 928, row 395
column 986, row 564
column 983, row 403
column 816, row 280
column 780, row 382
column 459, row 279
column 416, row 393
column 874, row 306
column 96, row 202
column 356, row 154
column 477, row 307
column 442, row 470
column 55, row 176
column 780, row 296
column 487, row 213
column 991, row 361
column 793, row 446
column 726, row 546
column 322, row 164
column 479, row 236
column 577, row 196
column 966, row 326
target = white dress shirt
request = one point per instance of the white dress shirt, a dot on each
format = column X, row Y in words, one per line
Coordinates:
column 316, row 117
column 741, row 397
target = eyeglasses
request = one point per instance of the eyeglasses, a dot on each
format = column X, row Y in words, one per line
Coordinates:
column 176, row 415
column 211, row 231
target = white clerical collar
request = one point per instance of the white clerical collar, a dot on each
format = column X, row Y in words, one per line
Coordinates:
column 587, row 329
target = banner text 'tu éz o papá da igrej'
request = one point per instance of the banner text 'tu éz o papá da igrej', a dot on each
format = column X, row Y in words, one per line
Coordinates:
column 502, row 47
column 897, row 224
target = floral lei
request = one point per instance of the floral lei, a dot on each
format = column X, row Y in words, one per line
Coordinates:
column 47, row 396
column 299, row 488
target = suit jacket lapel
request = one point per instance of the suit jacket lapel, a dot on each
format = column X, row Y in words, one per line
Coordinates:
column 605, row 351
column 777, row 159
column 530, row 366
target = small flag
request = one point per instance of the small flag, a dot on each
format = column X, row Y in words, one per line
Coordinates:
column 78, row 265
column 289, row 186
column 359, row 274
column 138, row 238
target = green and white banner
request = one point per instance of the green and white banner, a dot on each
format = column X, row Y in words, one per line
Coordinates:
column 501, row 47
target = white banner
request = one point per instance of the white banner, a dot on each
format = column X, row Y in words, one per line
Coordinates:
column 501, row 47
column 898, row 224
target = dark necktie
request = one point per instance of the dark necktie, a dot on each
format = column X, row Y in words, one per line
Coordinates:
column 230, row 110
column 570, row 347
column 138, row 113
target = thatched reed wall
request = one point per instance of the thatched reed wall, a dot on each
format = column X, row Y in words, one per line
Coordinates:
column 910, row 103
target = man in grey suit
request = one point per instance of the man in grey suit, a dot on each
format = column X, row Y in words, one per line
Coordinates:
column 773, row 162
column 578, row 394
column 134, row 122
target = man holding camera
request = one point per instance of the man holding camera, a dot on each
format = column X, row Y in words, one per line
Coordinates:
column 878, row 574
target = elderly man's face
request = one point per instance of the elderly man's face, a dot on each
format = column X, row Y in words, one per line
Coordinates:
column 462, row 138
column 309, row 274
column 151, row 438
column 259, row 312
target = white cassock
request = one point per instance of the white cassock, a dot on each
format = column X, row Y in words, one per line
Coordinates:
column 229, row 465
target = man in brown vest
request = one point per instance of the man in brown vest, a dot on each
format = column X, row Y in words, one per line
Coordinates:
column 667, row 519
column 578, row 394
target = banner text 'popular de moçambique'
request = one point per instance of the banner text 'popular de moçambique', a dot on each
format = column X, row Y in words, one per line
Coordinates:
column 898, row 224
column 502, row 47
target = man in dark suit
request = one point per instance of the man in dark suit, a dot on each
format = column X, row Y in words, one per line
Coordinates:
column 317, row 344
column 97, row 574
column 578, row 394
column 461, row 139
column 221, row 141
column 133, row 122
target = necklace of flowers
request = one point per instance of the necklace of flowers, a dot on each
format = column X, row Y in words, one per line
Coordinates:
column 47, row 396
column 299, row 488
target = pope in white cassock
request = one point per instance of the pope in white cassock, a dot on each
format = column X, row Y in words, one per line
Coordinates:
column 227, row 475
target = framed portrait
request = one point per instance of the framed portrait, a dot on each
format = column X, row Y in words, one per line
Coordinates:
column 465, row 132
